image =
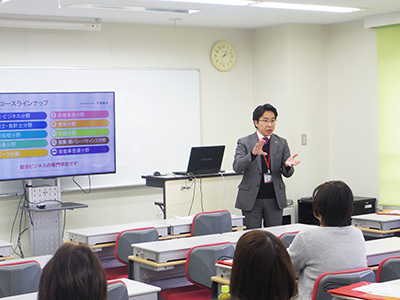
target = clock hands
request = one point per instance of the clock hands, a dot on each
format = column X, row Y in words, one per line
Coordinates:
column 226, row 53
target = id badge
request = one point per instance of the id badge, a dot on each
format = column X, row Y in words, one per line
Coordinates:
column 267, row 178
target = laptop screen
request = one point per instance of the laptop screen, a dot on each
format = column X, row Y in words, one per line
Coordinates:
column 205, row 160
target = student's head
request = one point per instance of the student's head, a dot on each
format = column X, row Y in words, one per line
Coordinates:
column 264, row 117
column 74, row 272
column 333, row 203
column 262, row 268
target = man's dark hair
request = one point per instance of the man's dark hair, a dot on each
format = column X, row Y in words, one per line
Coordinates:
column 261, row 109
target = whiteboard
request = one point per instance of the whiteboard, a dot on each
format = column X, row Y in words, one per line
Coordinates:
column 157, row 114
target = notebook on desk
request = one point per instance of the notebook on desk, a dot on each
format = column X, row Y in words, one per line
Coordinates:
column 204, row 160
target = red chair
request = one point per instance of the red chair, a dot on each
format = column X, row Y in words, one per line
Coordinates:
column 333, row 280
column 19, row 277
column 211, row 222
column 200, row 267
column 288, row 237
column 123, row 248
column 117, row 290
column 388, row 269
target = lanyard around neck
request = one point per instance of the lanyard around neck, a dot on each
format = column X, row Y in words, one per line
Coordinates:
column 267, row 161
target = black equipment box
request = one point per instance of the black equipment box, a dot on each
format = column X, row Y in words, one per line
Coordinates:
column 362, row 205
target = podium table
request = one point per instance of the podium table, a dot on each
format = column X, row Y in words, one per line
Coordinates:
column 46, row 226
column 188, row 195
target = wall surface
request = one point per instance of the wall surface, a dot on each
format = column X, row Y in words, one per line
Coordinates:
column 290, row 71
column 322, row 79
column 353, row 108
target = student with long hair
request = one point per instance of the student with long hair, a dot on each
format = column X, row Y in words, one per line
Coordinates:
column 262, row 268
column 74, row 272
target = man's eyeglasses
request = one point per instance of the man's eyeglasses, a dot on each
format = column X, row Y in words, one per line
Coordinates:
column 272, row 121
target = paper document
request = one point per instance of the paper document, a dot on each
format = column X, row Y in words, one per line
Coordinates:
column 381, row 289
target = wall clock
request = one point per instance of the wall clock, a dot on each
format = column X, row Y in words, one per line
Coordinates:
column 223, row 56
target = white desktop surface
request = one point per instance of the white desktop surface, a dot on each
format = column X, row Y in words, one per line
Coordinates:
column 376, row 217
column 29, row 296
column 275, row 230
column 5, row 244
column 176, row 249
column 136, row 291
column 180, row 225
column 380, row 249
column 42, row 260
column 5, row 248
column 281, row 229
column 104, row 234
column 139, row 290
column 375, row 221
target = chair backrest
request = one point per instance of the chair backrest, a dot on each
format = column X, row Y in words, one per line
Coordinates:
column 211, row 222
column 117, row 291
column 389, row 269
column 287, row 238
column 19, row 278
column 123, row 246
column 200, row 262
column 329, row 281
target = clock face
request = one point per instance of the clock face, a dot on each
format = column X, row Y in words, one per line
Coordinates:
column 223, row 56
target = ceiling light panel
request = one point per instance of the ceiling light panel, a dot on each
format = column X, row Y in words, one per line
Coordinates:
column 306, row 7
column 131, row 8
column 43, row 23
column 218, row 2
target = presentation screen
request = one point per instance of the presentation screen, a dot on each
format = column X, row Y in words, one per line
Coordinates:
column 45, row 135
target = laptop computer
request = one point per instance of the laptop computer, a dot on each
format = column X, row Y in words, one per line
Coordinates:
column 204, row 160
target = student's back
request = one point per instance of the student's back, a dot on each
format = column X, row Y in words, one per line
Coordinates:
column 325, row 249
column 335, row 246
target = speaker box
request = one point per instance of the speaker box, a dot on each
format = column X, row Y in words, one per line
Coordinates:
column 362, row 205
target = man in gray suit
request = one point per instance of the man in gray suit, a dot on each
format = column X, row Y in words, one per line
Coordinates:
column 263, row 157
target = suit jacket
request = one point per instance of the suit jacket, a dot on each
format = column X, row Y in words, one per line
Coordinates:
column 252, row 170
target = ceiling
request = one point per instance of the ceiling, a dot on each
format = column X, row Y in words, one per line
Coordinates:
column 218, row 16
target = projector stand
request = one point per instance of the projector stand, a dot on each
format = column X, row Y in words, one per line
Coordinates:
column 44, row 210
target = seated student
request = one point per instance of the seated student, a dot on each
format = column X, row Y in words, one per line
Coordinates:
column 333, row 246
column 261, row 268
column 74, row 272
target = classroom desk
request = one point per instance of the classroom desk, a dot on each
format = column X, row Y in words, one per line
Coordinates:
column 368, row 296
column 5, row 249
column 108, row 234
column 376, row 225
column 29, row 296
column 42, row 260
column 275, row 230
column 105, row 236
column 179, row 226
column 4, row 258
column 281, row 229
column 139, row 290
column 380, row 249
column 156, row 260
column 136, row 291
column 166, row 259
